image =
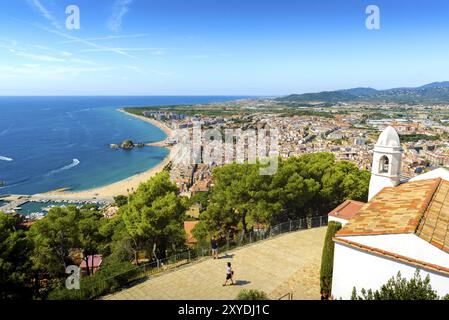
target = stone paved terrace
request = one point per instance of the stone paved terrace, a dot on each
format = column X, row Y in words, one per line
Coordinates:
column 288, row 263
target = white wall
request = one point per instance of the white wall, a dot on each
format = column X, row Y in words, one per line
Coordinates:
column 442, row 173
column 356, row 268
column 408, row 244
column 336, row 219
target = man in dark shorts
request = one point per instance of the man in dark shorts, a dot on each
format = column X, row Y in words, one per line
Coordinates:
column 214, row 246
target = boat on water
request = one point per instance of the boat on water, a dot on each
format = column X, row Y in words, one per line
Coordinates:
column 36, row 216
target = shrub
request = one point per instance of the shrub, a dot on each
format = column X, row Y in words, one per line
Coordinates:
column 120, row 200
column 327, row 259
column 252, row 295
column 398, row 288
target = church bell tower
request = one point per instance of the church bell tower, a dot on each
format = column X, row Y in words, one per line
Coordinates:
column 387, row 162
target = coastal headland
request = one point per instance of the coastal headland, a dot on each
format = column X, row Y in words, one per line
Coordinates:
column 127, row 185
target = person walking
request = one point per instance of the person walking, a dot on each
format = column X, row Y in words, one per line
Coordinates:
column 214, row 246
column 229, row 275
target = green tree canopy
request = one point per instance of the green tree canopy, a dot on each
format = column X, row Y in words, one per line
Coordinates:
column 309, row 185
column 154, row 216
column 239, row 199
column 53, row 237
column 14, row 263
column 120, row 200
column 90, row 237
column 61, row 232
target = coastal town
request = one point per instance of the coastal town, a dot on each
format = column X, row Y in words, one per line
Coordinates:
column 223, row 159
column 347, row 130
column 405, row 147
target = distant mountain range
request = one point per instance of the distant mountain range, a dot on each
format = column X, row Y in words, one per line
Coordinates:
column 436, row 92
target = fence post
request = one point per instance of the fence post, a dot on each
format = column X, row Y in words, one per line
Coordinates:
column 290, row 225
column 250, row 237
column 189, row 255
column 321, row 221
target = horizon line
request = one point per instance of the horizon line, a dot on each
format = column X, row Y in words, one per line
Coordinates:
column 146, row 95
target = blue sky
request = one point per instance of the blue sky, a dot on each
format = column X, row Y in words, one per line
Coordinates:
column 219, row 47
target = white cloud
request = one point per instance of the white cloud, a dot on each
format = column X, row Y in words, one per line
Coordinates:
column 45, row 13
column 90, row 43
column 146, row 72
column 42, row 72
column 30, row 65
column 40, row 57
column 110, row 37
column 56, row 55
column 154, row 51
column 120, row 9
column 83, row 61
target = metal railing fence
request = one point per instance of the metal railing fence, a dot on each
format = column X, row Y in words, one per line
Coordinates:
column 148, row 269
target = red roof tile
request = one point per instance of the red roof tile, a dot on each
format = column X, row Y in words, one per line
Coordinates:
column 347, row 209
column 420, row 207
column 188, row 226
column 97, row 260
column 394, row 210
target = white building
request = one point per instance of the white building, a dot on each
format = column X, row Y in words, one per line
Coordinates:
column 403, row 227
column 387, row 158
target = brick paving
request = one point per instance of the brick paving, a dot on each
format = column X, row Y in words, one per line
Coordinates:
column 288, row 263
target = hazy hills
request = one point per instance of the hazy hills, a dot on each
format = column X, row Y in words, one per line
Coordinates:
column 436, row 92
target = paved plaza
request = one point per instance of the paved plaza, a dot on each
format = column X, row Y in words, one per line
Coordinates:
column 286, row 264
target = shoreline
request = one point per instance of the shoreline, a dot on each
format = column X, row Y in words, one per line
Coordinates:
column 121, row 187
column 166, row 129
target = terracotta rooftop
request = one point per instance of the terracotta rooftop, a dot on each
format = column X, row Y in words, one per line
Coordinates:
column 347, row 209
column 200, row 186
column 420, row 207
column 434, row 225
column 94, row 260
column 393, row 210
column 188, row 227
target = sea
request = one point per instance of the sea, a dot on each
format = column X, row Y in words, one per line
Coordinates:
column 49, row 143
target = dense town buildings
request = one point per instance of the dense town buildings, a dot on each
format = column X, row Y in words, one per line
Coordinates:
column 347, row 130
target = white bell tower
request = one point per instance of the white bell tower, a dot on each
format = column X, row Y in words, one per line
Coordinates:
column 387, row 162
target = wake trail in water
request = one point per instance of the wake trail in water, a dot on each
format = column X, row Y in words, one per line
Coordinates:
column 74, row 163
column 15, row 184
column 4, row 132
column 5, row 158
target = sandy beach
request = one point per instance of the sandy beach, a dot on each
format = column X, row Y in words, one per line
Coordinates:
column 122, row 187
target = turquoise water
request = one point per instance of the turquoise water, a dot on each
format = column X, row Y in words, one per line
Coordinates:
column 31, row 207
column 47, row 143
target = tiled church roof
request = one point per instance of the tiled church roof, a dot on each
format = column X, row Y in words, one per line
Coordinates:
column 420, row 207
column 434, row 226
